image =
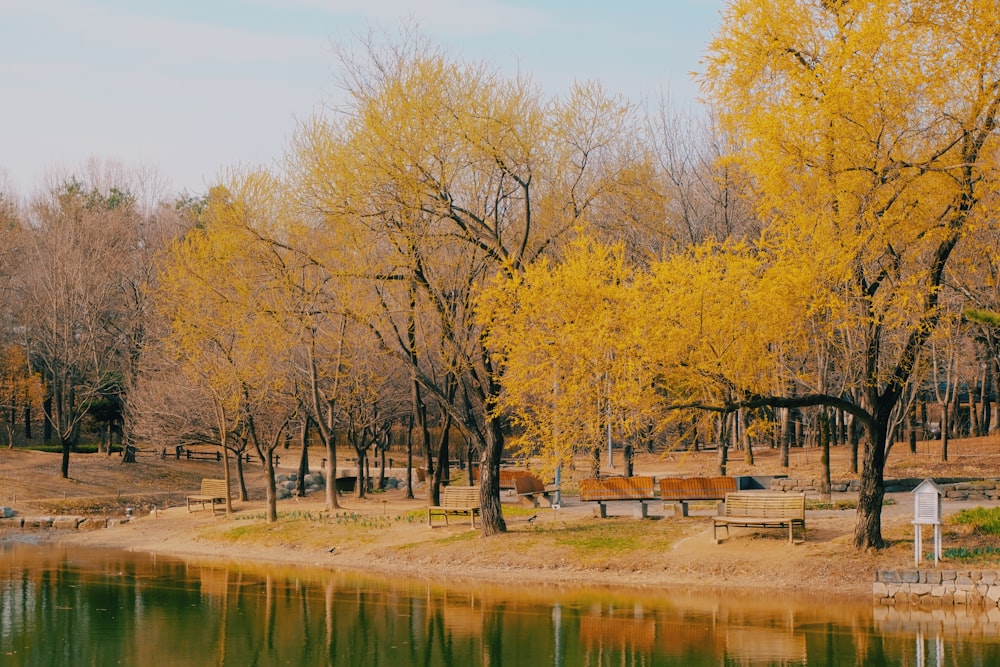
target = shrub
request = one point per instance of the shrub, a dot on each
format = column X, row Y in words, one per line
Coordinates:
column 984, row 521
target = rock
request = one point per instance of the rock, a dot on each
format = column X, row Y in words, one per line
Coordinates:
column 93, row 523
column 66, row 522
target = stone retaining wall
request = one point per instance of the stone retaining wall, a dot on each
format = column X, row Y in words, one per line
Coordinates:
column 59, row 522
column 979, row 588
column 954, row 489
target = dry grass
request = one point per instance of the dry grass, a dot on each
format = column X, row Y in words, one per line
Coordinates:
column 389, row 533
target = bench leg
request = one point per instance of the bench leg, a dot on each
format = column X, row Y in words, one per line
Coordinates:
column 600, row 511
column 529, row 501
column 641, row 510
column 681, row 508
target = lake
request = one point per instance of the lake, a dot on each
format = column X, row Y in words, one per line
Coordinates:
column 67, row 606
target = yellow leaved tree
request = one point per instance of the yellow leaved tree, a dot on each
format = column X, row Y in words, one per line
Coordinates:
column 228, row 301
column 568, row 337
column 870, row 133
column 448, row 173
column 21, row 388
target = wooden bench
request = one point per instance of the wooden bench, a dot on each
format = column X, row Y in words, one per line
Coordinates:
column 529, row 488
column 456, row 500
column 212, row 491
column 509, row 477
column 678, row 491
column 762, row 510
column 606, row 489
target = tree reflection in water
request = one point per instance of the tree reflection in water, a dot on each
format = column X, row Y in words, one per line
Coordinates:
column 61, row 606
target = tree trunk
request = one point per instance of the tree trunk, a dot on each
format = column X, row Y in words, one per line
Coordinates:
column 47, row 421
column 868, row 529
column 67, row 444
column 324, row 423
column 944, row 431
column 723, row 450
column 786, row 435
column 854, row 437
column 745, row 438
column 984, row 399
column 270, row 490
column 361, row 487
column 489, row 480
column 381, row 471
column 723, row 457
column 330, row 470
column 420, row 414
column 409, row 458
column 974, row 429
column 824, row 444
column 300, row 481
column 240, row 477
column 443, row 472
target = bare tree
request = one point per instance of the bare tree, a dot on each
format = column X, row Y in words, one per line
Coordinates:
column 79, row 328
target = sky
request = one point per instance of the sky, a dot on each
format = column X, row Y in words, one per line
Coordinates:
column 191, row 88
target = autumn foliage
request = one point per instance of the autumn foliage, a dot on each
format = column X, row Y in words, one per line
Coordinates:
column 553, row 277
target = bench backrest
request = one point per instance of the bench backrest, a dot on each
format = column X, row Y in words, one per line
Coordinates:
column 766, row 505
column 509, row 476
column 213, row 487
column 697, row 488
column 617, row 488
column 462, row 497
column 528, row 484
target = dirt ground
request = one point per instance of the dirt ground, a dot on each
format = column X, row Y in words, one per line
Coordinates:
column 386, row 533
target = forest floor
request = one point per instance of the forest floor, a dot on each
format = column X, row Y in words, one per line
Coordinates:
column 387, row 533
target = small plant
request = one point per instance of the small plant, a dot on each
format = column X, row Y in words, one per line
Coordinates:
column 984, row 521
column 844, row 504
column 967, row 554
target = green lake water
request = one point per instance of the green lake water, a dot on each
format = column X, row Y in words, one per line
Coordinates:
column 67, row 606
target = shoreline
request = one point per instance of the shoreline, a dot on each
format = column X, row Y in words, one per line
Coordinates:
column 388, row 535
column 825, row 565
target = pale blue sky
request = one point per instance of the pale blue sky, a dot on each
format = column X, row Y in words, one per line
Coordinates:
column 191, row 87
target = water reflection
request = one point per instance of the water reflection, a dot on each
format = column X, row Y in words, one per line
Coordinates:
column 70, row 606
